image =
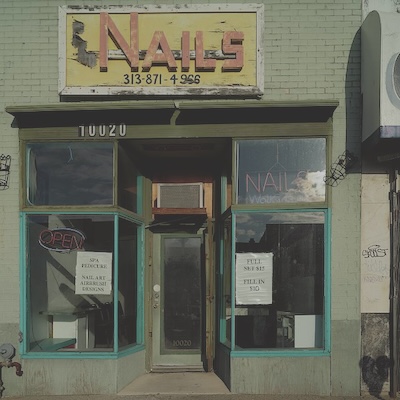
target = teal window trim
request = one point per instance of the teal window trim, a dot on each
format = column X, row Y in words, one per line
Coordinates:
column 222, row 320
column 280, row 353
column 24, row 295
column 23, row 316
column 115, row 278
column 224, row 184
column 327, row 280
column 221, row 324
column 139, row 205
column 233, row 280
column 326, row 350
column 140, row 286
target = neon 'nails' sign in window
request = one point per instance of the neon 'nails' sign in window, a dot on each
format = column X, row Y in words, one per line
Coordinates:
column 61, row 240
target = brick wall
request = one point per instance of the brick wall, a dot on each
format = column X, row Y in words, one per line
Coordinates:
column 312, row 52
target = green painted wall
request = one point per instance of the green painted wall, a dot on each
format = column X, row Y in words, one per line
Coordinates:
column 312, row 52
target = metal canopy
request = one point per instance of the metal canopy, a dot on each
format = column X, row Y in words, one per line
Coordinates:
column 168, row 112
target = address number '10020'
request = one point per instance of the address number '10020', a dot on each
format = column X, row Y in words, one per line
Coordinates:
column 104, row 130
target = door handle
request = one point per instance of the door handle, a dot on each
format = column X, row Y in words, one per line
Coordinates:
column 156, row 289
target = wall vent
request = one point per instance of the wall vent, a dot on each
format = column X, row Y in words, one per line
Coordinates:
column 180, row 195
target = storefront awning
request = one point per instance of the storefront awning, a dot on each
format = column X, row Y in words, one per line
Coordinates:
column 169, row 112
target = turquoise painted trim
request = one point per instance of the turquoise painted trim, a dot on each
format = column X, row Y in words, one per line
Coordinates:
column 221, row 312
column 22, row 279
column 139, row 200
column 131, row 350
column 140, row 286
column 224, row 184
column 279, row 353
column 115, row 278
column 327, row 280
column 59, row 212
column 233, row 283
column 83, row 355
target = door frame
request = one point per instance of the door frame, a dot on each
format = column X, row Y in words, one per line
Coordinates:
column 172, row 362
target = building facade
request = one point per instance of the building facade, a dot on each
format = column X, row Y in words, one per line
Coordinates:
column 181, row 190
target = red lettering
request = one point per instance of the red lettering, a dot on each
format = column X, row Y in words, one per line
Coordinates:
column 159, row 41
column 201, row 63
column 256, row 186
column 78, row 245
column 269, row 176
column 185, row 51
column 108, row 28
column 159, row 51
column 57, row 237
column 67, row 241
column 232, row 44
column 61, row 239
column 46, row 236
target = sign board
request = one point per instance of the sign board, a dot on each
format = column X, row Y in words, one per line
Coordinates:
column 161, row 50
column 93, row 273
column 254, row 278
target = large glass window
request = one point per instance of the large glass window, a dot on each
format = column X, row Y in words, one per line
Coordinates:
column 281, row 171
column 127, row 282
column 279, row 283
column 70, row 269
column 277, row 273
column 70, row 173
column 71, row 288
column 74, row 304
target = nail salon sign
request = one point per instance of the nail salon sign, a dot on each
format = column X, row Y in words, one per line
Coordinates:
column 161, row 50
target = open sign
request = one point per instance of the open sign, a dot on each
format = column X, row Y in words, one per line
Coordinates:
column 62, row 240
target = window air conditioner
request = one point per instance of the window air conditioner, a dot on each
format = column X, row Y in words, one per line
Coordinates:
column 180, row 195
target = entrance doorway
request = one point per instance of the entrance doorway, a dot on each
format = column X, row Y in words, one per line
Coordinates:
column 177, row 302
column 186, row 179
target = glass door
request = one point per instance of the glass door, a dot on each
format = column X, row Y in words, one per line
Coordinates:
column 177, row 311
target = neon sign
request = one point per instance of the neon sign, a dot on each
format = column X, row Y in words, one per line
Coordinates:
column 61, row 240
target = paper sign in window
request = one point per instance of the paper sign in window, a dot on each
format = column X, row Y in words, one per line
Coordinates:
column 93, row 273
column 254, row 278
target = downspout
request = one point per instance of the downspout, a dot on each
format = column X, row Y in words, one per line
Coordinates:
column 394, row 282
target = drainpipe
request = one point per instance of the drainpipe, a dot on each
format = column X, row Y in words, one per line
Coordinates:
column 7, row 352
column 394, row 282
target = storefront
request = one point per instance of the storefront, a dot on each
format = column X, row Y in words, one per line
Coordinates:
column 173, row 218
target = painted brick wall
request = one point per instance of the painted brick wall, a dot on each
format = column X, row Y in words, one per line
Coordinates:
column 312, row 51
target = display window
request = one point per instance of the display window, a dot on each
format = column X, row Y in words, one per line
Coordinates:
column 83, row 242
column 274, row 274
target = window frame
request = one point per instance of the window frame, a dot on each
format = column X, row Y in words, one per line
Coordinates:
column 114, row 210
column 234, row 210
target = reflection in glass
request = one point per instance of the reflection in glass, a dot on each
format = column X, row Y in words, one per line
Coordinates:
column 182, row 306
column 295, row 317
column 127, row 181
column 60, row 319
column 127, row 282
column 226, row 283
column 70, row 173
column 281, row 171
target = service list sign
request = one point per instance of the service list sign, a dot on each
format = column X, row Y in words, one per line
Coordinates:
column 93, row 272
column 161, row 50
column 254, row 278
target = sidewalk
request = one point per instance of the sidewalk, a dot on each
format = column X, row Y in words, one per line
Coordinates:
column 186, row 386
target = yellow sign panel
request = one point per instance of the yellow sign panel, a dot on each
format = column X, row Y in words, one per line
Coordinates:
column 196, row 51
